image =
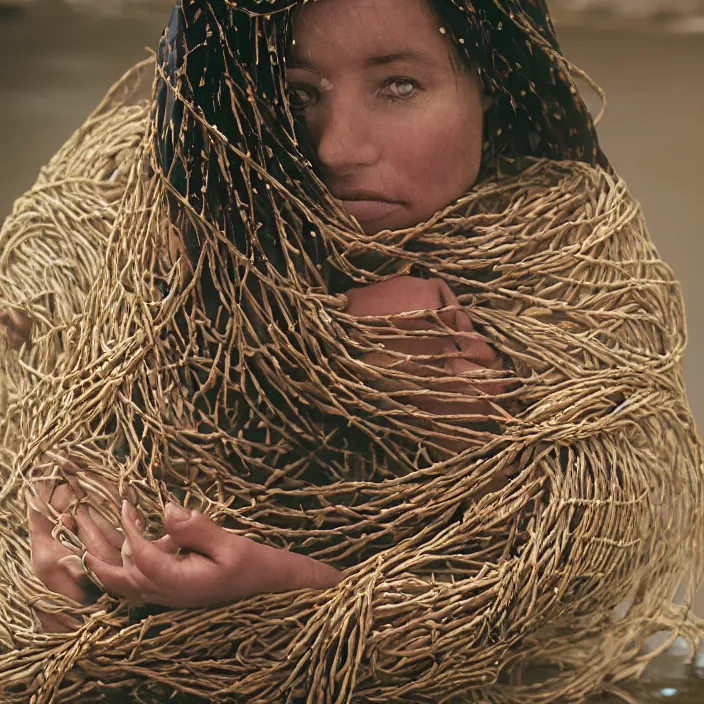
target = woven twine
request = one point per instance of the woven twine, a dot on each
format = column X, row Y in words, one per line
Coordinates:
column 475, row 548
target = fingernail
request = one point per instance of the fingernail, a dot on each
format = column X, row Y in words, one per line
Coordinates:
column 127, row 548
column 176, row 512
column 34, row 504
column 73, row 566
column 130, row 512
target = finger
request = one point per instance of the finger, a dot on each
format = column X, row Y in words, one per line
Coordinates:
column 158, row 566
column 167, row 544
column 47, row 498
column 447, row 396
column 90, row 481
column 63, row 462
column 428, row 390
column 104, row 489
column 446, row 405
column 45, row 551
column 416, row 344
column 474, row 345
column 477, row 384
column 403, row 294
column 70, row 579
column 132, row 523
column 121, row 580
column 60, row 500
column 56, row 623
column 94, row 540
column 47, row 554
column 59, row 576
column 458, row 365
column 194, row 531
column 106, row 526
column 58, row 491
column 40, row 526
column 404, row 368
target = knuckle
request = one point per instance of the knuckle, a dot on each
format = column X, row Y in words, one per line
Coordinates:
column 62, row 497
column 233, row 561
column 135, row 585
column 138, row 559
column 40, row 489
column 43, row 572
column 44, row 564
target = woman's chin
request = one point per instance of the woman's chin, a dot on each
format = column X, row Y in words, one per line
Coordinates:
column 397, row 218
column 390, row 224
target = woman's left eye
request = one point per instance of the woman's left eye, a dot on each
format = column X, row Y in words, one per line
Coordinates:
column 402, row 88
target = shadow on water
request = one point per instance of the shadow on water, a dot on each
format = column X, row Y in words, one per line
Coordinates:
column 55, row 64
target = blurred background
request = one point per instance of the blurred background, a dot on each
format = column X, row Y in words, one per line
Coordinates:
column 58, row 57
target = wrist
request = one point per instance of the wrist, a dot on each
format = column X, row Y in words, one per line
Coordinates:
column 277, row 570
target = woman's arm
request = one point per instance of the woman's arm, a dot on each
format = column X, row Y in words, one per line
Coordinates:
column 198, row 563
column 218, row 566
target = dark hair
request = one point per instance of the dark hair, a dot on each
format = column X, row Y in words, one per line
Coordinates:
column 221, row 64
column 536, row 110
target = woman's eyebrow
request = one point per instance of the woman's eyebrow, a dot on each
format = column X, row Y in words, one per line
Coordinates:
column 298, row 62
column 381, row 60
column 397, row 56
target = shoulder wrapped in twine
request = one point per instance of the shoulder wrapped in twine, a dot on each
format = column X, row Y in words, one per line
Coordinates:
column 220, row 367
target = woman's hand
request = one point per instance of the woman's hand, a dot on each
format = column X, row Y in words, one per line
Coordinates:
column 457, row 355
column 58, row 567
column 217, row 566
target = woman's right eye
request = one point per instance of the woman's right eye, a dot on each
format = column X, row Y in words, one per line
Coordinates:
column 300, row 96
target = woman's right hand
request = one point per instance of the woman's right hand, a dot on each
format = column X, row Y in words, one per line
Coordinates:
column 458, row 357
column 58, row 567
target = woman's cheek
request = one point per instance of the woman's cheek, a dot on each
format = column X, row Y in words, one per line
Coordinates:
column 439, row 162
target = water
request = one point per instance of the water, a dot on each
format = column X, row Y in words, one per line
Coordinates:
column 56, row 62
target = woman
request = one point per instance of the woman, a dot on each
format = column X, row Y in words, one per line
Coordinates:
column 340, row 180
column 393, row 152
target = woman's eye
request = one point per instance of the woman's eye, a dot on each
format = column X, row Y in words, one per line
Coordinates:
column 402, row 88
column 300, row 97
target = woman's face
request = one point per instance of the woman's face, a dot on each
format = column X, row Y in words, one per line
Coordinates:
column 396, row 125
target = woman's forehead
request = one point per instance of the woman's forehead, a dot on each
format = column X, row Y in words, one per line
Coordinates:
column 375, row 32
column 364, row 8
column 397, row 16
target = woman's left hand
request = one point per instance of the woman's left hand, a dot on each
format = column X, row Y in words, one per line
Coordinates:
column 217, row 566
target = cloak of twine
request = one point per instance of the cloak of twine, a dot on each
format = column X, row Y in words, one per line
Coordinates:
column 243, row 392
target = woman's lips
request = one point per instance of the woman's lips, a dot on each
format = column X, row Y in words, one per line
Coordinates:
column 365, row 211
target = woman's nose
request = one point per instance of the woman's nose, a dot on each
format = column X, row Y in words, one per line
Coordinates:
column 345, row 139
